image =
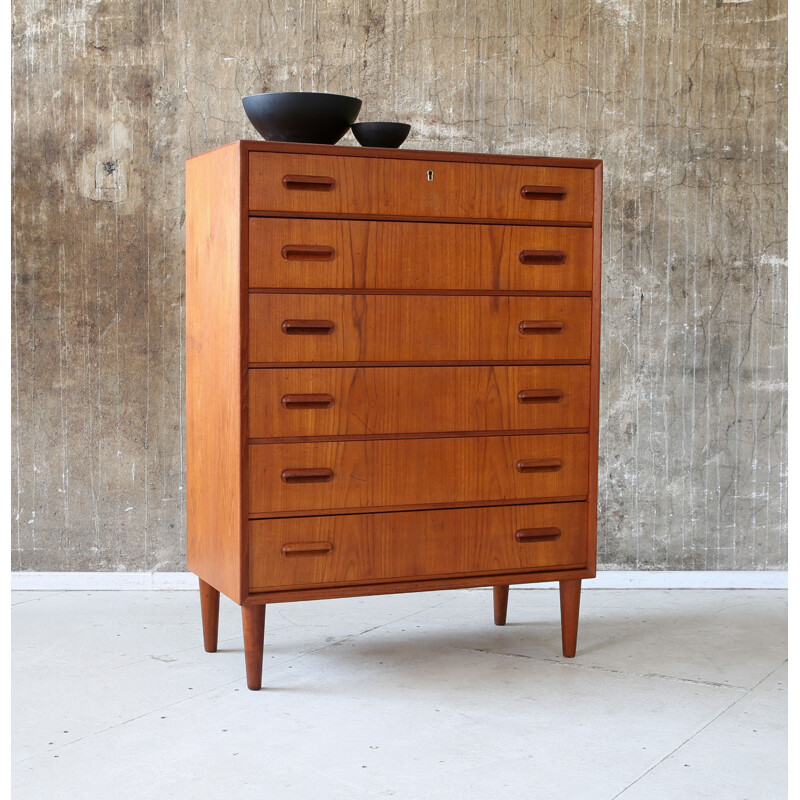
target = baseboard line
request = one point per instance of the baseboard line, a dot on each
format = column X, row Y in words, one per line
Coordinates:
column 606, row 579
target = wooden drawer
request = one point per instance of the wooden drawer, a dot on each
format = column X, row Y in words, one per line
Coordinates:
column 417, row 256
column 364, row 548
column 309, row 328
column 357, row 401
column 318, row 184
column 395, row 473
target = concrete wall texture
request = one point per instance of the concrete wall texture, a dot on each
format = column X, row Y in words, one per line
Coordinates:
column 685, row 100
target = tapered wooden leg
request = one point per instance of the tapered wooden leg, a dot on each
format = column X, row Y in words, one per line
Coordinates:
column 209, row 608
column 253, row 628
column 570, row 592
column 500, row 604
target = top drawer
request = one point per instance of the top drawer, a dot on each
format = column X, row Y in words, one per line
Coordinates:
column 391, row 187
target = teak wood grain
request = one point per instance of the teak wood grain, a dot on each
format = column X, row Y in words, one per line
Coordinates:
column 209, row 610
column 417, row 256
column 395, row 546
column 500, row 597
column 425, row 584
column 215, row 318
column 372, row 337
column 570, row 600
column 253, row 628
column 381, row 328
column 594, row 380
column 402, row 187
column 409, row 472
column 357, row 401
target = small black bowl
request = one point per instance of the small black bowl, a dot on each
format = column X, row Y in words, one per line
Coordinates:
column 313, row 117
column 380, row 134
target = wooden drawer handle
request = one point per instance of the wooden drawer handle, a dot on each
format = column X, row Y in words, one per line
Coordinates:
column 537, row 534
column 542, row 192
column 528, row 326
column 539, row 396
column 542, row 257
column 527, row 465
column 308, row 252
column 309, row 183
column 313, row 475
column 301, row 401
column 307, row 327
column 306, row 548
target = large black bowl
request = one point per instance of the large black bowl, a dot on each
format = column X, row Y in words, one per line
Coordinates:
column 315, row 117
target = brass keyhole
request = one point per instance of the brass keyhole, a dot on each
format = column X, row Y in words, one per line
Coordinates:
column 430, row 174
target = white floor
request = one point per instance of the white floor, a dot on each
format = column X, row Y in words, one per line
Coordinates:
column 673, row 695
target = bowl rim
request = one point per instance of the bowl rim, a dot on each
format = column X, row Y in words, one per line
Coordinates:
column 309, row 94
column 381, row 122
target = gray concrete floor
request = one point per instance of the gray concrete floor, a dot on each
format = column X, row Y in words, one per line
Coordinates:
column 673, row 694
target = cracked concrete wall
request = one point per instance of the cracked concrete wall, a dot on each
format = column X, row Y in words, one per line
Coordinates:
column 685, row 100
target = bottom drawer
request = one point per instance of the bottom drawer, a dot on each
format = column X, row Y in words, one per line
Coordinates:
column 365, row 548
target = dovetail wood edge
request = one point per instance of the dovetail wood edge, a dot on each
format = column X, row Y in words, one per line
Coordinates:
column 335, row 512
column 345, row 215
column 428, row 585
column 483, row 363
column 257, row 146
column 373, row 437
column 423, row 292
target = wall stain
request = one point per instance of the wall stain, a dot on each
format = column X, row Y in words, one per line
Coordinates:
column 685, row 102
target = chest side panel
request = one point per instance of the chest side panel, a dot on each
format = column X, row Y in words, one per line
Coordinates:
column 214, row 401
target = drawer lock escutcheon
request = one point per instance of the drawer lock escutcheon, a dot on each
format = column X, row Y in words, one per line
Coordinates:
column 307, row 327
column 313, row 475
column 301, row 401
column 309, row 183
column 537, row 535
column 540, row 326
column 543, row 192
column 529, row 465
column 291, row 549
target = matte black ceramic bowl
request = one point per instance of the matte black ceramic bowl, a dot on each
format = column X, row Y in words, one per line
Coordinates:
column 380, row 134
column 315, row 117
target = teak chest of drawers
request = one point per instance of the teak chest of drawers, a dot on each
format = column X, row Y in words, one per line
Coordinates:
column 391, row 376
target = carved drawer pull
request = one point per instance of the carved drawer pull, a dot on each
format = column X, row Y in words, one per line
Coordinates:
column 308, row 252
column 306, row 548
column 300, row 401
column 528, row 465
column 313, row 475
column 542, row 257
column 543, row 192
column 539, row 396
column 307, row 327
column 537, row 535
column 545, row 326
column 309, row 183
